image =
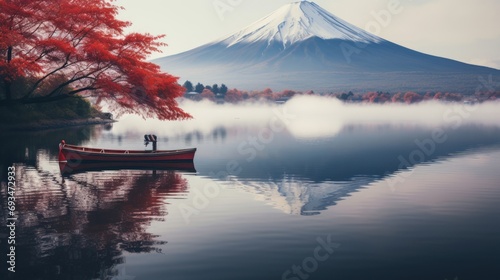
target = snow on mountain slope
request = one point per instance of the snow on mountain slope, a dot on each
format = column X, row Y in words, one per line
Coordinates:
column 297, row 22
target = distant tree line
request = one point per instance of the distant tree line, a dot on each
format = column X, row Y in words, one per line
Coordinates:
column 411, row 97
column 235, row 95
column 199, row 88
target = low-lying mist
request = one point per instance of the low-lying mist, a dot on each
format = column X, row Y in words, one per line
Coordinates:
column 313, row 116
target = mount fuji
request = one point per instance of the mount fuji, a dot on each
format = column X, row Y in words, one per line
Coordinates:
column 302, row 46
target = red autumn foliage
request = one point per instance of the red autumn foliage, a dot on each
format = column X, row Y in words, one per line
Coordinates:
column 287, row 93
column 233, row 96
column 371, row 97
column 438, row 96
column 412, row 97
column 267, row 91
column 376, row 97
column 208, row 94
column 398, row 97
column 84, row 42
column 453, row 97
column 428, row 96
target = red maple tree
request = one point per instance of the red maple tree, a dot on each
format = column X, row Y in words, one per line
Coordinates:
column 59, row 48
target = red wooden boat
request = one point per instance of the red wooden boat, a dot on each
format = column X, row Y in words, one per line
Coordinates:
column 71, row 153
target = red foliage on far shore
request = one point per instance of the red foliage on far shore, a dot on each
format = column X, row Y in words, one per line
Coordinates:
column 410, row 97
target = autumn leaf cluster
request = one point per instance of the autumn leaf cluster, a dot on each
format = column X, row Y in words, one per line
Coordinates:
column 59, row 48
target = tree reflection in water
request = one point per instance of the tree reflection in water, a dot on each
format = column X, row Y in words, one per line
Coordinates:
column 79, row 227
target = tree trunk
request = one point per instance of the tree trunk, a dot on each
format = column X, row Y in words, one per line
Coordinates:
column 8, row 82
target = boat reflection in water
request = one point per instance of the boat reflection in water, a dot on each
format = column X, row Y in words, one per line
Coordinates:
column 84, row 223
column 68, row 168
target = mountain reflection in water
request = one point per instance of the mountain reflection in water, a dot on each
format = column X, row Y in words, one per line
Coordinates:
column 306, row 177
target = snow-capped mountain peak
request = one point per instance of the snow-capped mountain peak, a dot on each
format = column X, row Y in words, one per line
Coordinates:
column 297, row 22
column 302, row 46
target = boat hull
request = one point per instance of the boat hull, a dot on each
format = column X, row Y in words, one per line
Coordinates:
column 70, row 153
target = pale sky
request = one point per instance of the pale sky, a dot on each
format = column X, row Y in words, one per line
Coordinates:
column 464, row 30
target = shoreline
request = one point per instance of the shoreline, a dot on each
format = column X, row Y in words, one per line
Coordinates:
column 54, row 124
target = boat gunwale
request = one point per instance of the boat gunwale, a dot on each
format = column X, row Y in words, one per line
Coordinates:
column 86, row 150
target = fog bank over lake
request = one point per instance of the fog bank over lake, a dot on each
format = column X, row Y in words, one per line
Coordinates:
column 313, row 116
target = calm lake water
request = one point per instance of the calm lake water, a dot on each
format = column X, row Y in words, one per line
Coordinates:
column 307, row 190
